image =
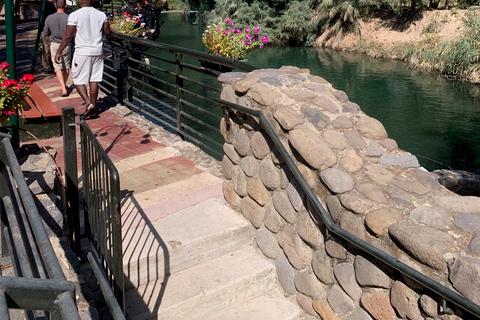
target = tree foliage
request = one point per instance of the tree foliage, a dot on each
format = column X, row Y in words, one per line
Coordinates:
column 300, row 22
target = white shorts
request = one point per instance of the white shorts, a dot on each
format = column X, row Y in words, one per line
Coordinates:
column 86, row 69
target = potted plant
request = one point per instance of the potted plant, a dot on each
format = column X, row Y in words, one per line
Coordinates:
column 12, row 93
column 227, row 41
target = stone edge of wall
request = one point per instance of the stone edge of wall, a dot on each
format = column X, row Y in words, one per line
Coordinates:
column 369, row 187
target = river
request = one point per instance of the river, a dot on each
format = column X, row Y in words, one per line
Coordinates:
column 427, row 114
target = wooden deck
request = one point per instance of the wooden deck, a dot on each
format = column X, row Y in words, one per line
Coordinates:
column 39, row 105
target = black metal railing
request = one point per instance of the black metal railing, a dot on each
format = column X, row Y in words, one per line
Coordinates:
column 170, row 85
column 39, row 286
column 321, row 217
column 101, row 198
column 101, row 206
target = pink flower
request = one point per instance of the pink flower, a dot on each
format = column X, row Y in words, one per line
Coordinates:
column 152, row 31
column 239, row 31
column 232, row 24
column 256, row 29
column 227, row 20
column 5, row 65
column 218, row 30
column 247, row 30
column 264, row 39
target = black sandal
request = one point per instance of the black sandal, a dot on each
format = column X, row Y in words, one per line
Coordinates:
column 89, row 112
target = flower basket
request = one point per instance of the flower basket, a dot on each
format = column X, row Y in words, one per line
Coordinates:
column 132, row 25
column 227, row 41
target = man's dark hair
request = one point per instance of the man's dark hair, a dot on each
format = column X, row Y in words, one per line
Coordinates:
column 61, row 3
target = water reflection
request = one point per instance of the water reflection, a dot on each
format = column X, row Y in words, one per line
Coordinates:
column 426, row 114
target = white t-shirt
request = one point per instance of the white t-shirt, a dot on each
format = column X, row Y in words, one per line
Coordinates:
column 89, row 22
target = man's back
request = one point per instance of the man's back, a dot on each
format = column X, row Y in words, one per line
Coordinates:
column 89, row 23
column 55, row 26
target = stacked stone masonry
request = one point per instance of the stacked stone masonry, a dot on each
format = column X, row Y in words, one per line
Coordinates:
column 369, row 187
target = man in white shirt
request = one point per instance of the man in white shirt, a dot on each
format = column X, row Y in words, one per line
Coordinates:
column 88, row 25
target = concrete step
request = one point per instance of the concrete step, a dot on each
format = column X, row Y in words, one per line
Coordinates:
column 270, row 306
column 182, row 240
column 205, row 289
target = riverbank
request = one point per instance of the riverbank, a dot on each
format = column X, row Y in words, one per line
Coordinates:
column 416, row 39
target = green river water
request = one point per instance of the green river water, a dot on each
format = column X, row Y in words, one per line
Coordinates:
column 427, row 114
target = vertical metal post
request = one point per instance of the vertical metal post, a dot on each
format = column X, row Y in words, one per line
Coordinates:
column 129, row 73
column 117, row 239
column 71, row 176
column 179, row 87
column 37, row 41
column 120, row 78
column 10, row 28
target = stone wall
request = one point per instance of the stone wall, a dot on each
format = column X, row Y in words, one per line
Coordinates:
column 368, row 186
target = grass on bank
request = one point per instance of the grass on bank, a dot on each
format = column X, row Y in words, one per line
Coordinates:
column 458, row 58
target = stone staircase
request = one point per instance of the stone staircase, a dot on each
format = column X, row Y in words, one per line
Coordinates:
column 198, row 263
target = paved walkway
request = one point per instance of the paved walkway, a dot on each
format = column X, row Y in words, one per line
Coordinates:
column 159, row 173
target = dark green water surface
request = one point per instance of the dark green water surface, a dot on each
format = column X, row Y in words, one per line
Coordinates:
column 426, row 114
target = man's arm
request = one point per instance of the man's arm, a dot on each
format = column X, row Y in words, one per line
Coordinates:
column 66, row 39
column 106, row 28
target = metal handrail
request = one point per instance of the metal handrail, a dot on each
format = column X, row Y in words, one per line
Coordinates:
column 337, row 230
column 162, row 82
column 22, row 233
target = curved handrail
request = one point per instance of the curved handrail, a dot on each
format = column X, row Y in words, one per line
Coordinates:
column 185, row 51
column 331, row 226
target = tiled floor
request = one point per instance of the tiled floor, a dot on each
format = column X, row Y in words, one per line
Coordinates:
column 158, row 178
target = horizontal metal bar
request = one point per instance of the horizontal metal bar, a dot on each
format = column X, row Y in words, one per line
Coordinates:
column 359, row 243
column 185, row 52
column 135, row 107
column 200, row 122
column 150, row 107
column 166, row 94
column 166, row 83
column 200, row 84
column 216, row 144
column 202, row 110
column 34, row 293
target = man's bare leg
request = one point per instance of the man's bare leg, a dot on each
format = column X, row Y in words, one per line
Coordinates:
column 82, row 91
column 60, row 76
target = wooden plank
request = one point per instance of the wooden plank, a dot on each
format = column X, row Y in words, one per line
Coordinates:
column 43, row 102
column 30, row 111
